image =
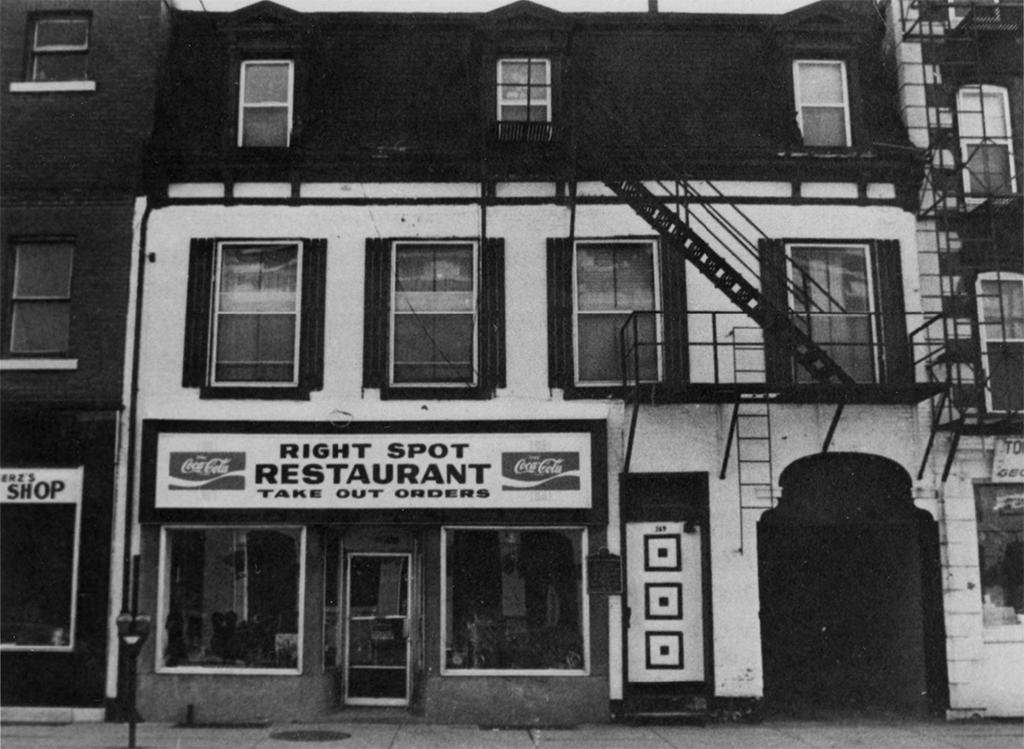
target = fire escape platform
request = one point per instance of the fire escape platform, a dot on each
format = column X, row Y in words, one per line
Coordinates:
column 847, row 394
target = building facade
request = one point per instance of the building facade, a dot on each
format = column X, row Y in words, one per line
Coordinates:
column 474, row 349
column 960, row 83
column 77, row 97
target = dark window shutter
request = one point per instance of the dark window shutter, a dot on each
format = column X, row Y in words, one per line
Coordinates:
column 197, row 312
column 314, row 285
column 375, row 313
column 778, row 365
column 897, row 361
column 673, row 304
column 560, row 334
column 492, row 315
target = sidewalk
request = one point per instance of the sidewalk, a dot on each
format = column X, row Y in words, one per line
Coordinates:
column 768, row 735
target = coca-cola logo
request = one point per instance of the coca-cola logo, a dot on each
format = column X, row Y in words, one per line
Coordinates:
column 540, row 471
column 207, row 471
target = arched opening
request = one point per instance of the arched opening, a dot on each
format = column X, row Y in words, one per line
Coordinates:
column 851, row 597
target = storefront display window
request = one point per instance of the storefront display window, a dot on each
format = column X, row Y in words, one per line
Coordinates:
column 514, row 600
column 39, row 520
column 1000, row 511
column 232, row 598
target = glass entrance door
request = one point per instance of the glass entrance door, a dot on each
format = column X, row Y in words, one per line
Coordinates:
column 377, row 635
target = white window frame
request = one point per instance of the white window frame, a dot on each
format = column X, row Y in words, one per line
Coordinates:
column 576, row 312
column 394, row 313
column 984, row 339
column 216, row 312
column 970, row 140
column 15, row 299
column 58, row 49
column 845, row 106
column 243, row 106
column 77, row 552
column 163, row 604
column 876, row 342
column 548, row 87
column 584, row 669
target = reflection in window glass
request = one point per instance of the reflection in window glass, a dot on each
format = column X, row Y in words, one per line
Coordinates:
column 514, row 600
column 612, row 281
column 435, row 314
column 37, row 543
column 257, row 314
column 232, row 598
column 1000, row 511
column 832, row 302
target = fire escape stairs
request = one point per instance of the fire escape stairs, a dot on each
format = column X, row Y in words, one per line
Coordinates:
column 730, row 282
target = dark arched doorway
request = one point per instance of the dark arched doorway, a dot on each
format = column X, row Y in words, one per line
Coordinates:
column 851, row 596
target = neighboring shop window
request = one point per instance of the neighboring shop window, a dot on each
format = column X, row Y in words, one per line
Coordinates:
column 1000, row 509
column 614, row 279
column 41, row 516
column 514, row 600
column 231, row 598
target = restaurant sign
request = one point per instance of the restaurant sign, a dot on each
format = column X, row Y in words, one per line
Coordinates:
column 233, row 471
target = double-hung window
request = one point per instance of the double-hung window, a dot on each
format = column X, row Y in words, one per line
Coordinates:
column 41, row 297
column 256, row 314
column 822, row 102
column 985, row 141
column 614, row 280
column 254, row 324
column 435, row 318
column 1001, row 324
column 831, row 297
column 434, row 314
column 266, row 102
column 60, row 49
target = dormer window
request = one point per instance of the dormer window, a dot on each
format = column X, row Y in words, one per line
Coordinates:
column 524, row 98
column 266, row 101
column 822, row 103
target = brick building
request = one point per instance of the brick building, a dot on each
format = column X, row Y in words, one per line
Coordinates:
column 76, row 97
column 959, row 66
column 475, row 349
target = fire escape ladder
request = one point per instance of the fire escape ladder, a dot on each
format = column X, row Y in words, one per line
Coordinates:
column 751, row 427
column 730, row 282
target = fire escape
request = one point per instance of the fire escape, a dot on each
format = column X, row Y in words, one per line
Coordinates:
column 970, row 208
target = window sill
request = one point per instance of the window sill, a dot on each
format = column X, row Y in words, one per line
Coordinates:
column 34, row 87
column 436, row 393
column 38, row 364
column 254, row 393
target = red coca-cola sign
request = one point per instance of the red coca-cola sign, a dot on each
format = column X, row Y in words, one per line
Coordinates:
column 207, row 471
column 555, row 471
